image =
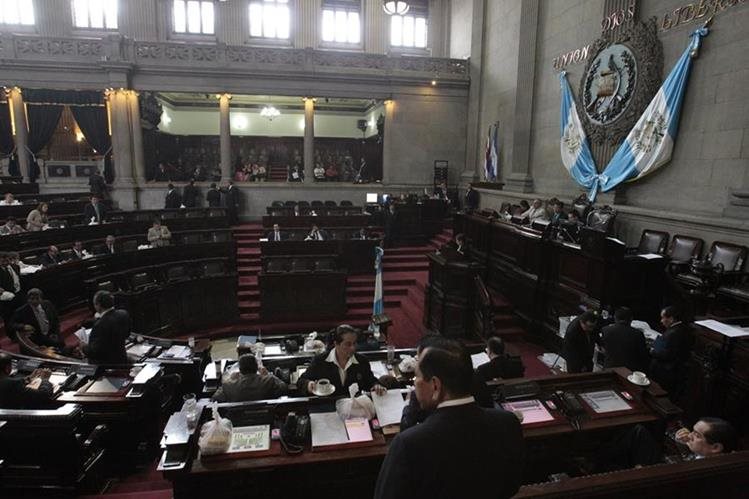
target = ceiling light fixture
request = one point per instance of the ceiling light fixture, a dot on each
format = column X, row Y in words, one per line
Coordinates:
column 270, row 112
column 395, row 7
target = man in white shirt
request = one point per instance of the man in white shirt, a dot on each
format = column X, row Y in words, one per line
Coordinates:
column 9, row 200
column 316, row 234
column 535, row 212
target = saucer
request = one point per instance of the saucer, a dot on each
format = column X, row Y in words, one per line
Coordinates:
column 320, row 393
column 642, row 383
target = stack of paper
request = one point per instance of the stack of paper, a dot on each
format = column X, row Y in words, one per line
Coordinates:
column 250, row 438
column 605, row 401
column 177, row 352
column 479, row 358
column 378, row 368
column 533, row 411
column 327, row 429
column 389, row 407
column 358, row 430
column 724, row 329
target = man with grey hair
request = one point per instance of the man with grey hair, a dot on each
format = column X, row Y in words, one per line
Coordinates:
column 110, row 331
column 38, row 317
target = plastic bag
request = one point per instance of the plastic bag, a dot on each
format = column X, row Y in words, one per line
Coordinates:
column 359, row 407
column 215, row 435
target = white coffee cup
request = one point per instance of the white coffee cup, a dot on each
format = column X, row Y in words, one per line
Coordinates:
column 322, row 385
column 639, row 377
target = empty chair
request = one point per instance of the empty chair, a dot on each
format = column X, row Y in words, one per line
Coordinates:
column 194, row 214
column 324, row 265
column 653, row 241
column 194, row 238
column 220, row 237
column 346, row 202
column 213, row 268
column 130, row 245
column 684, row 248
column 303, row 204
column 142, row 280
column 177, row 273
column 331, row 204
column 169, row 215
column 317, row 204
column 216, row 212
column 277, row 204
column 726, row 255
column 721, row 266
column 142, row 217
column 601, row 219
column 276, row 265
column 290, row 204
column 301, row 265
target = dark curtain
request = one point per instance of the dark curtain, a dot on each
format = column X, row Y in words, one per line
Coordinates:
column 6, row 130
column 43, row 119
column 93, row 124
column 63, row 97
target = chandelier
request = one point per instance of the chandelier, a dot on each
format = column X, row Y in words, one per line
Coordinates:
column 270, row 112
column 395, row 7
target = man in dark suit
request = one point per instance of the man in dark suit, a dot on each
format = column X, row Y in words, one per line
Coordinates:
column 471, row 199
column 173, row 199
column 671, row 351
column 557, row 212
column 77, row 252
column 500, row 365
column 190, row 195
column 213, row 197
column 342, row 366
column 18, row 393
column 232, row 203
column 39, row 317
column 110, row 247
column 51, row 257
column 95, row 211
column 624, row 345
column 316, row 234
column 97, row 184
column 107, row 341
column 461, row 450
column 10, row 282
column 579, row 341
column 276, row 234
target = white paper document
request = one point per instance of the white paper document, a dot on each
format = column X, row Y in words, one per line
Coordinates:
column 83, row 335
column 650, row 334
column 378, row 368
column 605, row 401
column 389, row 407
column 327, row 429
column 724, row 329
column 250, row 438
column 176, row 352
column 272, row 350
column 479, row 358
column 650, row 256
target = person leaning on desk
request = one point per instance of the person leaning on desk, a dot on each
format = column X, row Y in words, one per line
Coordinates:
column 248, row 384
column 20, row 393
column 341, row 365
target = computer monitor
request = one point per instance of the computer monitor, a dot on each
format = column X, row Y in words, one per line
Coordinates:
column 372, row 198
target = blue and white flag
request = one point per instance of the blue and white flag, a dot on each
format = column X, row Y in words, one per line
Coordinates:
column 377, row 305
column 648, row 146
column 491, row 154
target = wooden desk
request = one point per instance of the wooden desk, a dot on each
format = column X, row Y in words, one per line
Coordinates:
column 355, row 255
column 293, row 296
column 306, row 221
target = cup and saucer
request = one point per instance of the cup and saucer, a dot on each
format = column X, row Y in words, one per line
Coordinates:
column 638, row 378
column 323, row 387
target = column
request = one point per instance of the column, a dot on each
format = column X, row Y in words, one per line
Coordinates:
column 519, row 178
column 387, row 144
column 225, row 136
column 474, row 164
column 121, row 137
column 20, row 130
column 309, row 139
column 137, row 132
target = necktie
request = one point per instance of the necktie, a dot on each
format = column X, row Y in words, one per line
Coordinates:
column 96, row 209
column 278, row 236
column 16, row 280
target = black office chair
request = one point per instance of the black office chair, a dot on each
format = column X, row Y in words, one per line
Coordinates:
column 220, row 237
column 141, row 281
column 192, row 238
column 277, row 204
column 212, row 269
column 194, row 213
column 130, row 245
column 330, row 204
column 290, row 204
column 216, row 212
column 303, row 204
column 345, row 202
column 276, row 265
column 317, row 204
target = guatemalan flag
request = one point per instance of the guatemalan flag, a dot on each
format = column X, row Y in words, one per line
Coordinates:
column 377, row 307
column 491, row 154
column 647, row 147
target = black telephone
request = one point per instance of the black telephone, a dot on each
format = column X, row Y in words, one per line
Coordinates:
column 569, row 404
column 295, row 433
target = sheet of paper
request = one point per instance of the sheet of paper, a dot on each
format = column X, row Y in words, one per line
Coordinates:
column 327, row 429
column 107, row 385
column 533, row 411
column 389, row 407
column 250, row 438
column 83, row 335
column 605, row 401
column 650, row 333
column 650, row 256
column 358, row 430
column 273, row 350
column 140, row 350
column 176, row 352
column 479, row 358
column 724, row 329
column 378, row 368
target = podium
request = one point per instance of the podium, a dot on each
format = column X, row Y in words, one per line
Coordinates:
column 449, row 297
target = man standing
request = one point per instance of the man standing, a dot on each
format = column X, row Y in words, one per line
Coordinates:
column 98, row 185
column 107, row 341
column 624, row 345
column 471, row 199
column 190, row 195
column 39, row 317
column 232, row 203
column 461, row 449
column 579, row 343
column 95, row 212
column 213, row 197
column 671, row 351
column 173, row 199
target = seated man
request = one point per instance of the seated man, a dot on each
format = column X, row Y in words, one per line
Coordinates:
column 296, row 174
column 78, row 252
column 247, row 384
column 461, row 450
column 535, row 212
column 361, row 234
column 51, row 257
column 159, row 235
column 319, row 172
column 331, row 173
column 623, row 344
column 557, row 212
column 579, row 341
column 500, row 365
column 34, row 392
column 456, row 247
column 109, row 247
column 341, row 365
column 39, row 317
column 9, row 200
column 276, row 234
column 316, row 234
column 95, row 212
column 11, row 227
